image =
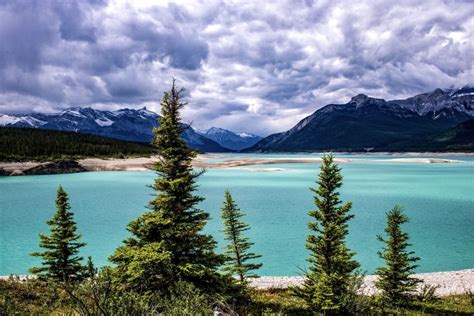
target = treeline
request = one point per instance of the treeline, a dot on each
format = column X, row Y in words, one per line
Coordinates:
column 20, row 144
column 169, row 266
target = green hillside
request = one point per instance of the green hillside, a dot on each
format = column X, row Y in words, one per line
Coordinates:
column 19, row 144
column 460, row 136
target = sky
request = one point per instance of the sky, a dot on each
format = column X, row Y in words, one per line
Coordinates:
column 250, row 66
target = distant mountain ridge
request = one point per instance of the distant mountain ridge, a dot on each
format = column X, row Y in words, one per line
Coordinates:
column 370, row 124
column 124, row 124
column 362, row 124
column 231, row 140
column 459, row 137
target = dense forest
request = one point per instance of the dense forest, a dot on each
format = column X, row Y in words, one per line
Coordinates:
column 19, row 144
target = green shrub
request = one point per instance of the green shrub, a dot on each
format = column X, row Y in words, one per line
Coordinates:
column 427, row 293
column 30, row 297
column 354, row 301
column 101, row 295
column 185, row 299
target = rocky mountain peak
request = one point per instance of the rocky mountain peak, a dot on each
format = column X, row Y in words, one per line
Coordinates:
column 359, row 99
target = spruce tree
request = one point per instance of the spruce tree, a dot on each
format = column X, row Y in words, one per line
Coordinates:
column 239, row 261
column 61, row 262
column 394, row 280
column 167, row 243
column 331, row 264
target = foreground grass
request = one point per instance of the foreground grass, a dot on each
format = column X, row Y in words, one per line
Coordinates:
column 26, row 298
column 281, row 302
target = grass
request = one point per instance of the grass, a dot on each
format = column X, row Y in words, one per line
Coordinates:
column 281, row 302
column 21, row 298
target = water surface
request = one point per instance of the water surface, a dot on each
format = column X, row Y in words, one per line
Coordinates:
column 438, row 198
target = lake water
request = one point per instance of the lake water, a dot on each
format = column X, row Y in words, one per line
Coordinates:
column 438, row 198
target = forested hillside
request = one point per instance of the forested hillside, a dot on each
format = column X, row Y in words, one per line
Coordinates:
column 19, row 144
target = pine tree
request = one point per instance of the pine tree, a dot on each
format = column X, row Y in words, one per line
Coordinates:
column 394, row 281
column 61, row 262
column 167, row 243
column 237, row 252
column 332, row 267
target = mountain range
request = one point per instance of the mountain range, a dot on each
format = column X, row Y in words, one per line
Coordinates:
column 124, row 124
column 231, row 140
column 370, row 124
column 438, row 120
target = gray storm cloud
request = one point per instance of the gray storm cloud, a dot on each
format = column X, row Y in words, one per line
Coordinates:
column 246, row 66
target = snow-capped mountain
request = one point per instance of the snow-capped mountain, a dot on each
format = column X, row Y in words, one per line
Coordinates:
column 366, row 123
column 441, row 103
column 231, row 140
column 124, row 124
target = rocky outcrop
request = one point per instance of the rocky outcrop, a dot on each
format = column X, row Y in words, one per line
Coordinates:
column 56, row 167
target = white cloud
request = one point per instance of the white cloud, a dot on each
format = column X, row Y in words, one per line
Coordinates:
column 249, row 66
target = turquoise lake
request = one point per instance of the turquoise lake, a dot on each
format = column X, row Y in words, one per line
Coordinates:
column 438, row 198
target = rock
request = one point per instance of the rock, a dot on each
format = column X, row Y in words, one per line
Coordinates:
column 57, row 167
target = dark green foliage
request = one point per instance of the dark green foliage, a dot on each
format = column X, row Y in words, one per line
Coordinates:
column 460, row 137
column 394, row 281
column 278, row 302
column 167, row 243
column 40, row 298
column 90, row 270
column 239, row 261
column 332, row 266
column 186, row 300
column 30, row 297
column 61, row 262
column 100, row 295
column 41, row 145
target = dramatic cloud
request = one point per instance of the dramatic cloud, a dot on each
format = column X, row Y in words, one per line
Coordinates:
column 247, row 66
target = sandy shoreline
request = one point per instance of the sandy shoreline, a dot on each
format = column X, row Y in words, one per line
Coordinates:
column 447, row 283
column 206, row 161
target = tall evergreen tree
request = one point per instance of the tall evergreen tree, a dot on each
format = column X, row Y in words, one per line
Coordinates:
column 168, row 243
column 61, row 262
column 239, row 261
column 332, row 267
column 394, row 281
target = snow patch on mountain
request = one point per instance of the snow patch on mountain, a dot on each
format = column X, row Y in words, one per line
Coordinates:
column 26, row 121
column 72, row 111
column 7, row 119
column 244, row 135
column 441, row 103
column 104, row 122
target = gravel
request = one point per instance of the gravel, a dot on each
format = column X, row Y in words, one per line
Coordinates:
column 447, row 283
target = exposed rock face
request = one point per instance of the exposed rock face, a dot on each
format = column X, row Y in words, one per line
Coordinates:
column 57, row 167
